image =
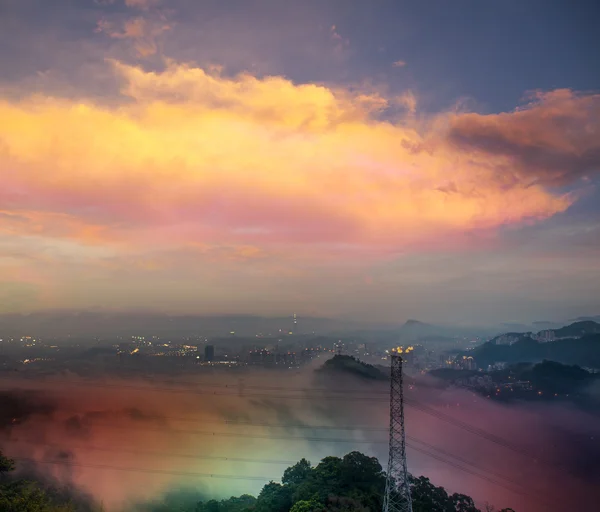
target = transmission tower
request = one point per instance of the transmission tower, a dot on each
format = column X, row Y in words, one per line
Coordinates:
column 397, row 489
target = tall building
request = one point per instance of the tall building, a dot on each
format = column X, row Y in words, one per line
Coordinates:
column 209, row 353
column 295, row 326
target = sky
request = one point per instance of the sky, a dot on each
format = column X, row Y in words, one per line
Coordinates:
column 378, row 160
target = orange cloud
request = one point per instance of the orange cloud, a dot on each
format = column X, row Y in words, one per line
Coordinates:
column 192, row 156
column 552, row 140
column 399, row 64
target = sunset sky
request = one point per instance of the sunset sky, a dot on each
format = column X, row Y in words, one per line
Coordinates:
column 379, row 160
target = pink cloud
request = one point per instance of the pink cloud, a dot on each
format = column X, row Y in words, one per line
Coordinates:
column 554, row 139
column 200, row 158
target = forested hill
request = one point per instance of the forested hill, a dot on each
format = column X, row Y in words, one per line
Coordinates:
column 574, row 330
column 582, row 350
column 340, row 364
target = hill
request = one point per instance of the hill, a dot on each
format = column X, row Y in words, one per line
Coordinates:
column 584, row 351
column 547, row 380
column 577, row 343
column 578, row 329
column 349, row 365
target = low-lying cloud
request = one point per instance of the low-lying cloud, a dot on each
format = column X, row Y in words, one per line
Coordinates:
column 171, row 435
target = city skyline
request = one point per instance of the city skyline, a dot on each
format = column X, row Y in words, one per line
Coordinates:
column 381, row 161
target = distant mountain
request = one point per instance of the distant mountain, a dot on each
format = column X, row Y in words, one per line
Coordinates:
column 110, row 324
column 583, row 351
column 574, row 330
column 513, row 327
column 578, row 329
column 584, row 318
column 545, row 324
column 416, row 323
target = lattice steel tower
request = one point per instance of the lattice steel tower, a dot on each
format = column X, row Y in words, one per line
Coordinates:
column 397, row 488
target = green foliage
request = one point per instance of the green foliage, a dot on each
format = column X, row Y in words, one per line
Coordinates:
column 306, row 506
column 233, row 504
column 430, row 498
column 354, row 476
column 341, row 504
column 353, row 483
column 297, row 473
column 274, row 497
column 24, row 496
column 6, row 464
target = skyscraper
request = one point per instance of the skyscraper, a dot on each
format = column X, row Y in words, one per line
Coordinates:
column 209, row 352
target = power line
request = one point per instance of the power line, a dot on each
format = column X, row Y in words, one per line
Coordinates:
column 499, row 441
column 446, row 460
column 148, row 470
column 245, row 435
column 471, row 472
column 157, row 453
column 236, row 394
column 464, row 461
column 287, row 437
column 288, row 426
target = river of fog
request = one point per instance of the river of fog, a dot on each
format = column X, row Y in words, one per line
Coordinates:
column 128, row 441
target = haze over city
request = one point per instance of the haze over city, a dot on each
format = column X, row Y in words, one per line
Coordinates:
column 359, row 240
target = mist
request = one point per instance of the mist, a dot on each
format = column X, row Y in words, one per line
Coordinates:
column 135, row 443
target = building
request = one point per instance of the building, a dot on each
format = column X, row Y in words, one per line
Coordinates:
column 546, row 336
column 209, row 353
column 508, row 339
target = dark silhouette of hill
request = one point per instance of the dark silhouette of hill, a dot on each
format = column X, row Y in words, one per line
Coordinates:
column 547, row 377
column 578, row 329
column 349, row 365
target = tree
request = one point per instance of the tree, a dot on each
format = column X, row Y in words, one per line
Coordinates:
column 427, row 497
column 274, row 497
column 24, row 496
column 6, row 465
column 297, row 473
column 463, row 503
column 340, row 504
column 306, row 506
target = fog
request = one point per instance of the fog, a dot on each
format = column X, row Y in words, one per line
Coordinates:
column 229, row 433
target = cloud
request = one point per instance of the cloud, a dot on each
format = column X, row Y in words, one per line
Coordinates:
column 407, row 100
column 553, row 140
column 340, row 43
column 194, row 156
column 142, row 31
column 170, row 425
column 142, row 4
column 399, row 64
